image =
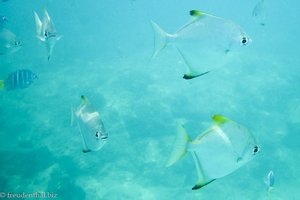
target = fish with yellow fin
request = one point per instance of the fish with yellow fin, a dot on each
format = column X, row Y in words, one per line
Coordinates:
column 91, row 127
column 205, row 41
column 219, row 151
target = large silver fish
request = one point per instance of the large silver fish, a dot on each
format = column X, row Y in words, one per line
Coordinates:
column 46, row 32
column 8, row 42
column 91, row 126
column 19, row 79
column 206, row 41
column 219, row 151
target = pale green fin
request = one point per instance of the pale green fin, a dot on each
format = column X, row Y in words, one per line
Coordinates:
column 197, row 13
column 84, row 99
column 160, row 39
column 219, row 119
column 180, row 145
column 2, row 84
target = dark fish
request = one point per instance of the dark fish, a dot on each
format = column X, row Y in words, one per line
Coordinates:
column 20, row 79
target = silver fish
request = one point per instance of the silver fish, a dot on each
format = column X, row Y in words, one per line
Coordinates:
column 205, row 40
column 91, row 126
column 270, row 180
column 19, row 79
column 46, row 32
column 219, row 151
column 8, row 42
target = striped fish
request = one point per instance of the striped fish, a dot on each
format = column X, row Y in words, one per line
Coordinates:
column 19, row 79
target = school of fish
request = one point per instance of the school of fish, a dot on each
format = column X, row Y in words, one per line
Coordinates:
column 218, row 151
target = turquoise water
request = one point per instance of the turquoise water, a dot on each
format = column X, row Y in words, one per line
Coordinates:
column 105, row 54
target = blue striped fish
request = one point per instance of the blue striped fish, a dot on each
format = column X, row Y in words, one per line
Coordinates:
column 19, row 79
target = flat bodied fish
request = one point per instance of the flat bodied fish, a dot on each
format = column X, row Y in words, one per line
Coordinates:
column 206, row 41
column 219, row 151
column 19, row 79
column 46, row 32
column 8, row 42
column 91, row 126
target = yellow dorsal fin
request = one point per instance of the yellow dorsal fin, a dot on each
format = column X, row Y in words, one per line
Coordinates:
column 197, row 13
column 1, row 84
column 220, row 119
column 84, row 99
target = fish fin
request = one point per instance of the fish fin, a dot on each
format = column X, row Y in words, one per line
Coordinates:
column 220, row 119
column 2, row 85
column 59, row 37
column 191, row 73
column 41, row 38
column 38, row 24
column 199, row 14
column 85, row 149
column 72, row 116
column 201, row 184
column 47, row 14
column 202, row 181
column 160, row 39
column 84, row 99
column 180, row 145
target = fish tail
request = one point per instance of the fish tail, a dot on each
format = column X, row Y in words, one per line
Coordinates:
column 180, row 145
column 2, row 84
column 160, row 39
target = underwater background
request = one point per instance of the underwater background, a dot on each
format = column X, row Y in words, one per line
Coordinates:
column 105, row 54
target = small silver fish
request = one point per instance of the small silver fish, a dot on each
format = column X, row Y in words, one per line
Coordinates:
column 270, row 180
column 46, row 31
column 19, row 79
column 8, row 42
column 3, row 20
column 91, row 126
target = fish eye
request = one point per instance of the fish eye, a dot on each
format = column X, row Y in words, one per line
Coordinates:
column 255, row 150
column 97, row 134
column 244, row 41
